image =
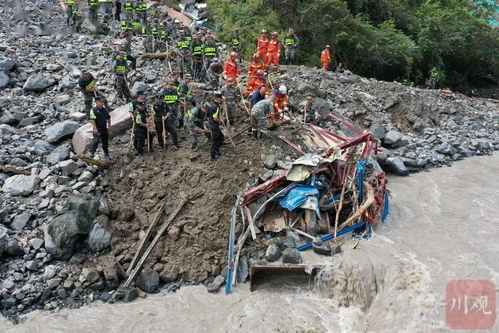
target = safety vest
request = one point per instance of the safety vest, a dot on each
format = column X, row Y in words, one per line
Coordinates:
column 197, row 50
column 121, row 65
column 171, row 97
column 136, row 25
column 124, row 25
column 70, row 2
column 235, row 41
column 163, row 34
column 139, row 118
column 188, row 37
column 128, row 5
column 93, row 3
column 144, row 32
column 216, row 114
column 154, row 31
column 434, row 74
column 141, row 7
column 289, row 41
column 210, row 50
column 183, row 44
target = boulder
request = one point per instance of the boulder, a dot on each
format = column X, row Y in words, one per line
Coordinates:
column 43, row 146
column 148, row 280
column 83, row 137
column 269, row 161
column 396, row 166
column 20, row 221
column 111, row 276
column 273, row 252
column 139, row 86
column 214, row 286
column 36, row 243
column 59, row 154
column 21, row 184
column 378, row 132
column 7, row 64
column 166, row 276
column 6, row 117
column 68, row 167
column 3, row 238
column 13, row 248
column 98, row 238
column 90, row 274
column 291, row 256
column 4, row 80
column 322, row 248
column 61, row 130
column 392, row 137
column 6, row 130
column 38, row 83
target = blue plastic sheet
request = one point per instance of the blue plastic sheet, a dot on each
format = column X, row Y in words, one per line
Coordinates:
column 360, row 179
column 386, row 208
column 297, row 196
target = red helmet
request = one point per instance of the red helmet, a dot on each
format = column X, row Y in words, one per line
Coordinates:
column 263, row 31
column 275, row 34
column 233, row 55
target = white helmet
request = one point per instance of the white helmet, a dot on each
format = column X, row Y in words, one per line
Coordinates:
column 283, row 89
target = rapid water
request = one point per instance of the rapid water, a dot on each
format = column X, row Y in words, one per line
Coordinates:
column 443, row 226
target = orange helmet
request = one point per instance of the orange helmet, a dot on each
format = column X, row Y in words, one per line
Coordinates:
column 263, row 31
column 275, row 34
column 233, row 55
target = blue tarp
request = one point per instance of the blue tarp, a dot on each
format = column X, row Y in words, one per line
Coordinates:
column 297, row 196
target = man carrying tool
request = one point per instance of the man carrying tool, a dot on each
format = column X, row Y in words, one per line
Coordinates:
column 141, row 8
column 141, row 127
column 147, row 38
column 194, row 120
column 120, row 79
column 160, row 112
column 325, row 57
column 237, row 44
column 215, row 121
column 273, row 51
column 185, row 98
column 263, row 45
column 231, row 71
column 259, row 113
column 93, row 8
column 170, row 96
column 255, row 65
column 128, row 5
column 184, row 51
column 280, row 102
column 290, row 43
column 197, row 57
column 232, row 97
column 87, row 86
column 101, row 125
column 77, row 18
column 213, row 74
column 69, row 10
column 309, row 111
column 141, row 97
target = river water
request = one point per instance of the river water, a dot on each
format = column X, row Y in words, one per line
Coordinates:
column 443, row 226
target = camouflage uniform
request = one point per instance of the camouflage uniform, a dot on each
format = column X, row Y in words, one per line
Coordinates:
column 259, row 114
column 232, row 98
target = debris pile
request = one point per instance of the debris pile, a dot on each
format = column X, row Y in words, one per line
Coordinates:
column 335, row 188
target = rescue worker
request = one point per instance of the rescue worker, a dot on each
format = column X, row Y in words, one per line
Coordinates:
column 120, row 79
column 147, row 38
column 237, row 44
column 210, row 54
column 184, row 51
column 136, row 25
column 197, row 57
column 255, row 65
column 194, row 121
column 176, row 81
column 127, row 44
column 325, row 57
column 263, row 45
column 160, row 112
column 290, row 43
column 255, row 83
column 105, row 27
column 155, row 35
column 215, row 121
column 434, row 78
column 230, row 67
column 117, row 10
column 259, row 113
column 141, row 127
column 258, row 95
column 69, row 10
column 213, row 74
column 101, row 125
column 128, row 5
column 184, row 97
column 77, row 18
column 87, row 86
column 93, row 8
column 273, row 51
column 187, row 33
column 309, row 111
column 232, row 97
column 280, row 102
column 170, row 95
column 141, row 8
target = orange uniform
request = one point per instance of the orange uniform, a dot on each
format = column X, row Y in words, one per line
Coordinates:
column 231, row 70
column 254, row 84
column 262, row 45
column 280, row 102
column 254, row 67
column 325, row 59
column 273, row 52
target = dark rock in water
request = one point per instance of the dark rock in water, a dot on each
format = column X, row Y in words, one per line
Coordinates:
column 168, row 277
column 242, row 270
column 38, row 83
column 105, row 297
column 214, row 286
column 111, row 276
column 396, row 166
column 273, row 252
column 337, row 249
column 61, row 130
column 129, row 295
column 291, row 256
column 323, row 248
column 148, row 280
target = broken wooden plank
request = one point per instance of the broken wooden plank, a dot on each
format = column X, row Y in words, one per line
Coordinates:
column 251, row 222
column 89, row 160
column 14, row 170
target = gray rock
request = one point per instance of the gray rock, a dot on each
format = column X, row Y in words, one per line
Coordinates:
column 30, row 121
column 269, row 161
column 21, row 184
column 68, row 167
column 43, row 146
column 148, row 280
column 98, row 238
column 36, row 243
column 13, row 248
column 86, row 177
column 446, row 148
column 6, row 130
column 323, row 248
column 168, row 277
column 379, row 132
column 6, row 117
column 7, row 64
column 49, row 272
column 111, row 276
column 130, row 294
column 4, row 80
column 392, row 137
column 3, row 238
column 60, row 130
column 38, row 83
column 20, row 221
column 59, row 154
column 68, row 82
column 32, row 265
column 139, row 86
column 90, row 274
column 291, row 256
column 396, row 166
column 214, row 286
column 273, row 252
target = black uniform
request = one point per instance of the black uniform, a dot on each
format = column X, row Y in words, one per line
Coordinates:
column 101, row 117
column 217, row 136
column 159, row 111
column 140, row 131
column 85, row 86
